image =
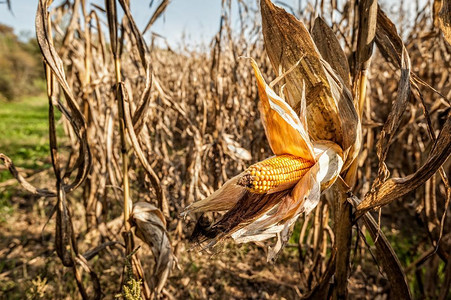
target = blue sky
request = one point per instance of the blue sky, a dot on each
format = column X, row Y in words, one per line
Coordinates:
column 197, row 20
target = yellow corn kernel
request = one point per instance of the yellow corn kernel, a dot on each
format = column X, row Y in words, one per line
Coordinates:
column 267, row 175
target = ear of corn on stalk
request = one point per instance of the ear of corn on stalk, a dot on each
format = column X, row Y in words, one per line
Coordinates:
column 275, row 172
column 265, row 200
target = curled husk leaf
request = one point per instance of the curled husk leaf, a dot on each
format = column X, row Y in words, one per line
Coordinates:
column 151, row 229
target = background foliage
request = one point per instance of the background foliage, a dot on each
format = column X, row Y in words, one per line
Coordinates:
column 21, row 65
column 199, row 119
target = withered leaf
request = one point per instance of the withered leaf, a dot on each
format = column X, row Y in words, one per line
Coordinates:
column 367, row 31
column 112, row 25
column 72, row 113
column 68, row 37
column 436, row 6
column 397, row 187
column 23, row 182
column 151, row 229
column 388, row 41
column 330, row 49
column 398, row 108
column 160, row 9
column 155, row 180
column 444, row 18
column 234, row 149
column 387, row 257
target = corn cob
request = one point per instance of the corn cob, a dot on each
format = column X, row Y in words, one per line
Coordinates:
column 267, row 175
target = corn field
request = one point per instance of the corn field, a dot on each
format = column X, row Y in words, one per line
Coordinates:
column 158, row 187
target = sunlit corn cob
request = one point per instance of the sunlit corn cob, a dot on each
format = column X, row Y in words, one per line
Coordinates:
column 267, row 175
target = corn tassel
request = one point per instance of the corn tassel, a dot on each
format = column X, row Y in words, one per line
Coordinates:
column 282, row 170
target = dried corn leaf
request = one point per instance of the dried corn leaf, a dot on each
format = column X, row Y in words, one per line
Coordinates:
column 154, row 179
column 330, row 49
column 394, row 118
column 391, row 46
column 287, row 41
column 23, row 182
column 387, row 257
column 73, row 114
column 141, row 113
column 367, row 31
column 65, row 243
column 69, row 35
column 112, row 26
column 94, row 279
column 437, row 5
column 140, row 43
column 234, row 149
column 395, row 188
column 444, row 18
column 151, row 229
column 160, row 9
column 388, row 41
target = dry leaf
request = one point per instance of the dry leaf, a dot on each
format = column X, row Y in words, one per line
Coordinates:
column 330, row 49
column 386, row 256
column 367, row 31
column 151, row 229
column 394, row 118
column 235, row 150
column 444, row 18
column 395, row 188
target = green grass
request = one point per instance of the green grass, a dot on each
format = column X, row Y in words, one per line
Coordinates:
column 24, row 133
column 24, row 138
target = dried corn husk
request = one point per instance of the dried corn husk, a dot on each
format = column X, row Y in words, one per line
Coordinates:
column 330, row 112
column 330, row 49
